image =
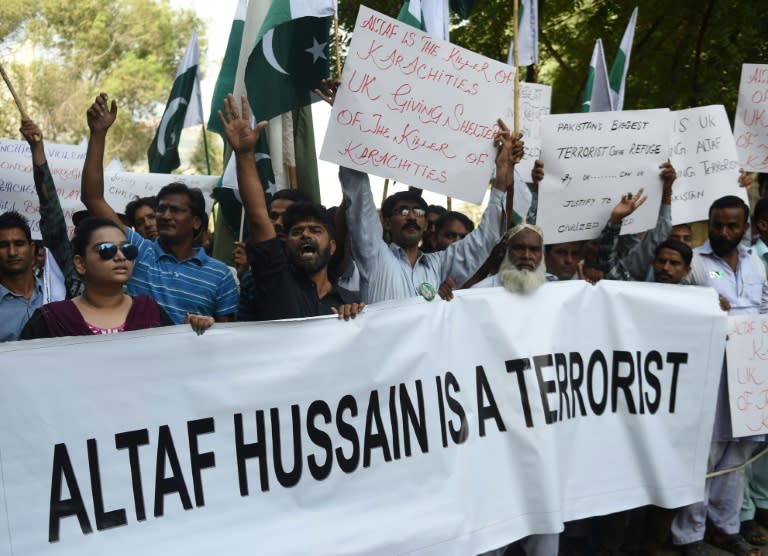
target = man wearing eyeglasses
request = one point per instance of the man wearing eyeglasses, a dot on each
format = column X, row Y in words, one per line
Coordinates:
column 172, row 269
column 401, row 269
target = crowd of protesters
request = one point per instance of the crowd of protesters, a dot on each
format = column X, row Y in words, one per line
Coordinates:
column 147, row 267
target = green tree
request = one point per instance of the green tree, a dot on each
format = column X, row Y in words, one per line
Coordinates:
column 197, row 161
column 129, row 49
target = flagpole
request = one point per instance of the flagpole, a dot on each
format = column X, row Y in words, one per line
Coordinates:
column 17, row 100
column 448, row 202
column 338, row 45
column 516, row 127
column 242, row 222
column 386, row 187
column 205, row 146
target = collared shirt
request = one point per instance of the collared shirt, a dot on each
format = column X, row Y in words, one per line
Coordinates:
column 746, row 289
column 53, row 228
column 761, row 250
column 635, row 264
column 199, row 285
column 15, row 311
column 385, row 271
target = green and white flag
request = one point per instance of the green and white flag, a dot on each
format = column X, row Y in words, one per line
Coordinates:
column 225, row 83
column 184, row 109
column 410, row 13
column 290, row 56
column 436, row 16
column 618, row 76
column 527, row 34
column 597, row 97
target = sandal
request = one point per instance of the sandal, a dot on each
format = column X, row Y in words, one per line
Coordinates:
column 754, row 532
column 735, row 544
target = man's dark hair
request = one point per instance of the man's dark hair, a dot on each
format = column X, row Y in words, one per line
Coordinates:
column 136, row 204
column 306, row 210
column 388, row 206
column 196, row 198
column 730, row 201
column 12, row 219
column 761, row 210
column 290, row 195
column 84, row 231
column 685, row 252
column 436, row 209
column 762, row 180
column 449, row 216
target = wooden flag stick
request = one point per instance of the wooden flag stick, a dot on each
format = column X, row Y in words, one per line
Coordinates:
column 242, row 223
column 448, row 202
column 384, row 193
column 338, row 46
column 516, row 126
column 24, row 116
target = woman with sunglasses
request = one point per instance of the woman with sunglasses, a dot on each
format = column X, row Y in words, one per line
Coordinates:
column 104, row 258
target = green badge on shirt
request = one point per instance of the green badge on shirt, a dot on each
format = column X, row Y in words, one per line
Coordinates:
column 427, row 291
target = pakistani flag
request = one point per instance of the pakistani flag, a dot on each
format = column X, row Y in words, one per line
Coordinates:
column 618, row 76
column 163, row 153
column 410, row 14
column 290, row 56
column 527, row 31
column 225, row 83
column 597, row 97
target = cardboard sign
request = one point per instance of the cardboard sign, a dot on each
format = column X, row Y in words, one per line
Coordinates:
column 590, row 161
column 535, row 103
column 704, row 154
column 417, row 109
column 747, row 357
column 17, row 186
column 751, row 125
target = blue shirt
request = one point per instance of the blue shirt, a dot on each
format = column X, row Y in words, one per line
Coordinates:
column 199, row 285
column 385, row 271
column 15, row 310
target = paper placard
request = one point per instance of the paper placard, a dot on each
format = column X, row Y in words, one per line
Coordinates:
column 417, row 109
column 750, row 127
column 535, row 103
column 747, row 355
column 703, row 153
column 17, row 186
column 590, row 161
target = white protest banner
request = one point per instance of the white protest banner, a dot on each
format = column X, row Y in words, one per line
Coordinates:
column 703, row 153
column 356, row 438
column 535, row 103
column 17, row 188
column 417, row 109
column 747, row 357
column 750, row 127
column 590, row 161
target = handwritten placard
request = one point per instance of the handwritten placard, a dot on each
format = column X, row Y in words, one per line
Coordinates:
column 417, row 109
column 747, row 355
column 704, row 154
column 590, row 161
column 17, row 186
column 535, row 103
column 751, row 125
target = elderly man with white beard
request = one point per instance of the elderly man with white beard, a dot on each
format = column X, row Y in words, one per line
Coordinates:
column 523, row 269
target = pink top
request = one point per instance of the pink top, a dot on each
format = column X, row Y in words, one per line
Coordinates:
column 96, row 330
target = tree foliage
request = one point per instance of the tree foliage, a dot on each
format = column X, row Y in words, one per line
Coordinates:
column 129, row 49
column 686, row 53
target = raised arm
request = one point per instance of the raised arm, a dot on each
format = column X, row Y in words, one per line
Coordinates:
column 243, row 139
column 100, row 116
column 53, row 226
column 608, row 258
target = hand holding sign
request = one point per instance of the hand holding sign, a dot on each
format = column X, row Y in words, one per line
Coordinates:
column 510, row 148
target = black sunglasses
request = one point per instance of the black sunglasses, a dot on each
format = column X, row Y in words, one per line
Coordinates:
column 108, row 251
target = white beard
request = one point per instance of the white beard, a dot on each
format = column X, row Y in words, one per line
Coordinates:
column 521, row 281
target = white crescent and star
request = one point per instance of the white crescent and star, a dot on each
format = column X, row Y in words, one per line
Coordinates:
column 317, row 50
column 269, row 53
column 173, row 107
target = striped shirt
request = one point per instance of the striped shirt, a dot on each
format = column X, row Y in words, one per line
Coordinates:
column 199, row 285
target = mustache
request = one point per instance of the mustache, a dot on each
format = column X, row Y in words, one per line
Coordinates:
column 411, row 224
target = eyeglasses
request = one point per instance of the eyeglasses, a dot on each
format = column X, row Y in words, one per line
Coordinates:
column 405, row 211
column 108, row 251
